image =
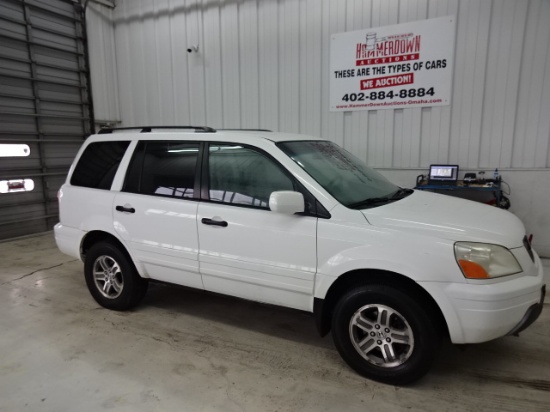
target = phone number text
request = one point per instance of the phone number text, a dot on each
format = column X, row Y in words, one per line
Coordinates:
column 382, row 95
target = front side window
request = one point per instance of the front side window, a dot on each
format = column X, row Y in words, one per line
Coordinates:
column 341, row 174
column 242, row 176
column 98, row 165
column 163, row 168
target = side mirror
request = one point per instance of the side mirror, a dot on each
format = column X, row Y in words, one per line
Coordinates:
column 286, row 202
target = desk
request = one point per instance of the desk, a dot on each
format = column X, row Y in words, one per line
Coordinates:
column 500, row 200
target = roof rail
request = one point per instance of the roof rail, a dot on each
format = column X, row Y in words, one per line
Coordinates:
column 247, row 130
column 148, row 129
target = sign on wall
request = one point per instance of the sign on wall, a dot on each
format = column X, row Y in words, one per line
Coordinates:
column 393, row 67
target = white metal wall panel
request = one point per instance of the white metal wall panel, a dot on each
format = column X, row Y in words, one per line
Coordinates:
column 213, row 65
column 103, row 71
column 533, row 121
column 230, row 56
column 265, row 64
column 179, row 77
column 268, row 63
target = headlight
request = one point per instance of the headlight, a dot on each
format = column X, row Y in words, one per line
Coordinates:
column 485, row 261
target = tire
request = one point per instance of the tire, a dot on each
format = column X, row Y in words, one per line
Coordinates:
column 112, row 278
column 384, row 335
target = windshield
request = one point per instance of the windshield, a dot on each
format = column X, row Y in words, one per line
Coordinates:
column 341, row 174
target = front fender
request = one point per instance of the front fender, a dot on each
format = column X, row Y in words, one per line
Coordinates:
column 362, row 248
column 342, row 248
column 329, row 272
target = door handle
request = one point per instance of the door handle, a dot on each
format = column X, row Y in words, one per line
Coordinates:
column 212, row 222
column 125, row 209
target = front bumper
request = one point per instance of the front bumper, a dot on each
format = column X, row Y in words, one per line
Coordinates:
column 531, row 316
column 482, row 312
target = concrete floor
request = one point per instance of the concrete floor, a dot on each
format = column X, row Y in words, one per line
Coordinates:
column 187, row 350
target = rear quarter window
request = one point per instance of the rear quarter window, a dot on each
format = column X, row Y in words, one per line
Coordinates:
column 98, row 165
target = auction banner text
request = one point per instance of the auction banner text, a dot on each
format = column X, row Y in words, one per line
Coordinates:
column 393, row 67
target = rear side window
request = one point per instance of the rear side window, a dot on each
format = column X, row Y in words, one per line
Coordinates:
column 98, row 164
column 165, row 168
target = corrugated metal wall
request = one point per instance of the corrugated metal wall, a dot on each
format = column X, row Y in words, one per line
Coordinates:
column 43, row 103
column 265, row 64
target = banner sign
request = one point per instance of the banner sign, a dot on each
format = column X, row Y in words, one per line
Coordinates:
column 393, row 67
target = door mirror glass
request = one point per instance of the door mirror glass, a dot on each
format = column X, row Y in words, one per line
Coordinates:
column 286, row 202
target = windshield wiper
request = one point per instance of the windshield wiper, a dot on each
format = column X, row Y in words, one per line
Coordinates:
column 398, row 195
column 401, row 193
column 369, row 202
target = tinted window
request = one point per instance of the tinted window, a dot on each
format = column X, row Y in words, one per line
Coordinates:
column 163, row 168
column 98, row 164
column 242, row 176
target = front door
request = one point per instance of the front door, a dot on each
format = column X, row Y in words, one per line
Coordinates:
column 246, row 250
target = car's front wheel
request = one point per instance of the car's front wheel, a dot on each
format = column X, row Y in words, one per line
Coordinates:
column 112, row 278
column 384, row 334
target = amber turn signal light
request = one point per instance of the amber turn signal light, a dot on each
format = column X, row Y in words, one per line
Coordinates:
column 472, row 270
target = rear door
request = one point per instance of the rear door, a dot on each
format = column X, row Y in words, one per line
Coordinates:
column 246, row 250
column 156, row 211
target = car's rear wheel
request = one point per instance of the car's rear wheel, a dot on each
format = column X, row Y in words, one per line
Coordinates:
column 384, row 334
column 112, row 278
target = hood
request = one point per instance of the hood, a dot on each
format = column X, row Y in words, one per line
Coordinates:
column 449, row 218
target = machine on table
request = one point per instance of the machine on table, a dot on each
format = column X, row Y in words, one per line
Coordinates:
column 445, row 178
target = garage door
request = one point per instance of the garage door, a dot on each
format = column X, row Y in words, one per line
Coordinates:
column 44, row 108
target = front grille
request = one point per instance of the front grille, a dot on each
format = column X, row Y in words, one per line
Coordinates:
column 528, row 247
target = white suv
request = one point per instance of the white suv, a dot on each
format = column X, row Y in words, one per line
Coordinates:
column 297, row 221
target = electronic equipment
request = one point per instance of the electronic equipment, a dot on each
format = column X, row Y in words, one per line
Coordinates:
column 443, row 175
column 470, row 178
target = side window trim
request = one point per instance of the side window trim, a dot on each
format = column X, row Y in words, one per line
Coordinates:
column 202, row 175
column 140, row 146
column 205, row 183
column 140, row 177
column 120, row 177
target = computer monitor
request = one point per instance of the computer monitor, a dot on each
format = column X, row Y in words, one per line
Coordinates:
column 443, row 175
